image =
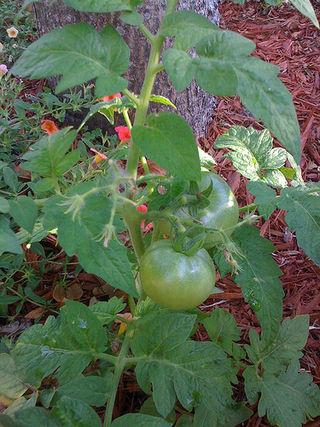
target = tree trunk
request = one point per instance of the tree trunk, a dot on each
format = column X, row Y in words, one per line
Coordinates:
column 193, row 104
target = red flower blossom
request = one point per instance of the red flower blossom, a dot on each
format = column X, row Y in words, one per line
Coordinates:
column 145, row 228
column 111, row 97
column 49, row 127
column 124, row 133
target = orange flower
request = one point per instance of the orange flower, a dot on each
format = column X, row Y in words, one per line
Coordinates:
column 49, row 127
column 99, row 157
column 124, row 133
column 12, row 32
column 111, row 97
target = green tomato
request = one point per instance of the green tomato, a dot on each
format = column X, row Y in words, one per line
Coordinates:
column 222, row 213
column 174, row 280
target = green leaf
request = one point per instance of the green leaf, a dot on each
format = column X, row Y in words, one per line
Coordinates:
column 159, row 99
column 177, row 367
column 265, row 198
column 102, row 6
column 265, row 96
column 222, row 66
column 21, row 404
column 8, row 239
column 258, row 277
column 288, row 400
column 81, row 217
column 303, row 218
column 168, row 140
column 24, row 211
column 180, row 68
column 140, row 420
column 4, row 205
column 107, row 109
column 36, row 417
column 187, row 27
column 213, row 68
column 132, row 18
column 106, row 311
column 102, row 56
column 11, row 385
column 10, row 178
column 222, row 329
column 306, row 8
column 285, row 347
column 92, row 389
column 72, row 412
column 65, row 346
column 253, row 155
column 206, row 161
column 50, row 157
column 233, row 415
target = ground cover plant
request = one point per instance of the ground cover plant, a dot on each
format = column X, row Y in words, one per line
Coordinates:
column 183, row 223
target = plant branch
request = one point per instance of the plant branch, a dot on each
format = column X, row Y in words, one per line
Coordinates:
column 119, row 367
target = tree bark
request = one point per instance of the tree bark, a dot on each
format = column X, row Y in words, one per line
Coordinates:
column 193, row 104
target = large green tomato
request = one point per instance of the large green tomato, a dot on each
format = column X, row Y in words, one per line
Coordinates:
column 174, row 280
column 222, row 213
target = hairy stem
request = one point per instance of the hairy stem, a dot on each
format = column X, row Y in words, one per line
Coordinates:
column 133, row 221
column 119, row 367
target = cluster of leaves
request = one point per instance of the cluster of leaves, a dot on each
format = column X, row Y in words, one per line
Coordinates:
column 12, row 15
column 174, row 370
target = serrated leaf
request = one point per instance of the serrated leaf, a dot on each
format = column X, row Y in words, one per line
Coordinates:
column 233, row 415
column 253, row 155
column 222, row 329
column 8, row 240
column 102, row 6
column 168, row 140
column 11, row 385
column 258, row 277
column 187, row 27
column 177, row 367
column 272, row 102
column 213, row 68
column 24, row 211
column 103, row 56
column 72, row 412
column 140, row 420
column 65, row 346
column 92, row 389
column 306, row 8
column 222, row 66
column 107, row 311
column 50, row 157
column 288, row 399
column 303, row 218
column 285, row 347
column 265, row 198
column 81, row 217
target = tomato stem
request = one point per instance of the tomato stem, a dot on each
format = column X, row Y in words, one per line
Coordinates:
column 119, row 367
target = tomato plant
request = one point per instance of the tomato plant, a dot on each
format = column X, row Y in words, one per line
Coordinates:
column 58, row 372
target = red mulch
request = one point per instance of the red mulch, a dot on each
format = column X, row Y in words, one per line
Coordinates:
column 284, row 37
